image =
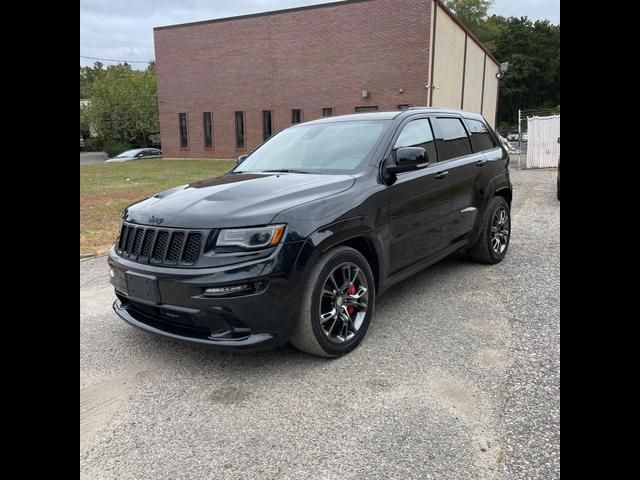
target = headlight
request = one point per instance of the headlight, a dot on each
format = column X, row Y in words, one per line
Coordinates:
column 251, row 238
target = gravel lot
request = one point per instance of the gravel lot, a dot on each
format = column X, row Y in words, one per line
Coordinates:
column 458, row 378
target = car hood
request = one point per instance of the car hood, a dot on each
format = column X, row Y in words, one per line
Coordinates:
column 243, row 199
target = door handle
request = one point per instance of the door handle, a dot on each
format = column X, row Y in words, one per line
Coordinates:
column 480, row 163
column 441, row 175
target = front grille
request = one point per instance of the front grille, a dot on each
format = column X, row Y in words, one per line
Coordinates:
column 160, row 246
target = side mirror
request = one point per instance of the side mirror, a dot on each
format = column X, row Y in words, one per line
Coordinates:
column 408, row 159
column 140, row 155
column 241, row 159
column 558, row 139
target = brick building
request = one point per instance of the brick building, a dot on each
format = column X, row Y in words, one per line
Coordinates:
column 225, row 85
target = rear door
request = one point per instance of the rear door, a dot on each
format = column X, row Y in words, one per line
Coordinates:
column 419, row 201
column 464, row 167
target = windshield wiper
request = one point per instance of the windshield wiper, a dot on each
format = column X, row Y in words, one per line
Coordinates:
column 282, row 170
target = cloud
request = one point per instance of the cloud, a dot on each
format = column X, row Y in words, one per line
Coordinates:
column 123, row 29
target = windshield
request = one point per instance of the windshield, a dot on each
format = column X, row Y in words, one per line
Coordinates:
column 129, row 153
column 336, row 147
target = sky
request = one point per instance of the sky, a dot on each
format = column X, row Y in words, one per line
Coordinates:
column 123, row 29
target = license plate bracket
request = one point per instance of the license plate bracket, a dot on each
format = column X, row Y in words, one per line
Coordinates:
column 143, row 287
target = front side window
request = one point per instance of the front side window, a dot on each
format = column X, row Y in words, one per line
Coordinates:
column 452, row 140
column 417, row 133
column 328, row 148
column 480, row 138
column 184, row 130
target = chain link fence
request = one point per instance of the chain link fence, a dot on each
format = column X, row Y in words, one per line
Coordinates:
column 535, row 144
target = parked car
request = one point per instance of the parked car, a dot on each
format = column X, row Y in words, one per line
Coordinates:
column 300, row 237
column 136, row 154
column 81, row 143
column 525, row 137
column 510, row 148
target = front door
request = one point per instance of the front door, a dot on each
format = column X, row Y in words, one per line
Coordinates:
column 419, row 202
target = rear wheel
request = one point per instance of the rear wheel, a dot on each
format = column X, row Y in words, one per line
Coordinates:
column 337, row 304
column 493, row 241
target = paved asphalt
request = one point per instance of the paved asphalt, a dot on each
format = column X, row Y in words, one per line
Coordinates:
column 458, row 378
column 89, row 158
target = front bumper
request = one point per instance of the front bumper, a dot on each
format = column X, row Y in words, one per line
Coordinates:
column 255, row 321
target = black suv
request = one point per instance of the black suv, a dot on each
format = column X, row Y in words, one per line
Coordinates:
column 298, row 239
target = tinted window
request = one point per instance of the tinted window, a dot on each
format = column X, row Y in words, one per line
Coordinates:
column 340, row 147
column 184, row 131
column 417, row 133
column 452, row 138
column 480, row 138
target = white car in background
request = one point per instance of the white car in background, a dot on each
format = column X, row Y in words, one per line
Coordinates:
column 505, row 143
column 136, row 154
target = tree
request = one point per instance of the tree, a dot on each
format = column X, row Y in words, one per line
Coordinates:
column 123, row 104
column 471, row 12
column 533, row 52
column 88, row 76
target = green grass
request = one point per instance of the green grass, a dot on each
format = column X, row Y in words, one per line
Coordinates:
column 106, row 188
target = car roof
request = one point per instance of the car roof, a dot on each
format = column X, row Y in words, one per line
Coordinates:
column 134, row 151
column 390, row 115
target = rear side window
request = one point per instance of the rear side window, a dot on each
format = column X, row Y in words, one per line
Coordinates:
column 480, row 138
column 452, row 139
column 417, row 133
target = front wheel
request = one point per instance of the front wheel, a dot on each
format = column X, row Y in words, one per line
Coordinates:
column 493, row 241
column 338, row 300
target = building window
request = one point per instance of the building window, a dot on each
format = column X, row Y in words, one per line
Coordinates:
column 266, row 124
column 184, row 130
column 403, row 106
column 239, row 129
column 327, row 112
column 366, row 109
column 480, row 138
column 451, row 139
column 208, row 129
column 296, row 115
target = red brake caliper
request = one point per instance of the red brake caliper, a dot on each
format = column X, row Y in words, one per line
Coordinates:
column 351, row 291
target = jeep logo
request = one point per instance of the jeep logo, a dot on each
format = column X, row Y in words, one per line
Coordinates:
column 156, row 220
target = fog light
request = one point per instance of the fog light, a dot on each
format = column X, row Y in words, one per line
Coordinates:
column 220, row 291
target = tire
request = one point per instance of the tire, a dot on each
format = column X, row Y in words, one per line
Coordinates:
column 310, row 333
column 485, row 250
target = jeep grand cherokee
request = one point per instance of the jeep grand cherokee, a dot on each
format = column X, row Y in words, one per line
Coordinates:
column 297, row 240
